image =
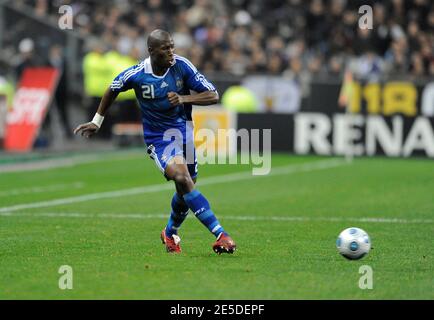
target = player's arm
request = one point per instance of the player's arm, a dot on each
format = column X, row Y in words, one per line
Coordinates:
column 123, row 82
column 193, row 80
column 204, row 98
column 90, row 128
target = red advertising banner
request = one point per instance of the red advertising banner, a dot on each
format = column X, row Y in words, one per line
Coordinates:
column 30, row 105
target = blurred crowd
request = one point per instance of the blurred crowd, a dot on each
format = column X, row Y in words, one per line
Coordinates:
column 275, row 36
column 298, row 39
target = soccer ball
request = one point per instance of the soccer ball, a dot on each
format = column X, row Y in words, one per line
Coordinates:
column 353, row 243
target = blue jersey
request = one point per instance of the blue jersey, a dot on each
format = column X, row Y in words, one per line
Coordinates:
column 158, row 115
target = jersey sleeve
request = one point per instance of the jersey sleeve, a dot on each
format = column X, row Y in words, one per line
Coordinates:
column 193, row 78
column 124, row 81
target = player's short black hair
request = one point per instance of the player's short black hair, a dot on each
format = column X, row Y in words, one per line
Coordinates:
column 156, row 36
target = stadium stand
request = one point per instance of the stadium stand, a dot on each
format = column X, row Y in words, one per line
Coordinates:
column 300, row 40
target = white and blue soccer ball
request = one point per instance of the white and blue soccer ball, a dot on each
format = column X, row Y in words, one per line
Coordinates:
column 353, row 243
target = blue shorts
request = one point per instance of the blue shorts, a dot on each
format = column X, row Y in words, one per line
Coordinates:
column 163, row 151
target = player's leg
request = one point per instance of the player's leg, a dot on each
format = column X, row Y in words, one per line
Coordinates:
column 177, row 171
column 169, row 235
column 224, row 242
column 179, row 207
column 177, row 216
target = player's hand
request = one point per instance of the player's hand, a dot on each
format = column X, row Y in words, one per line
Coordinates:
column 175, row 99
column 86, row 129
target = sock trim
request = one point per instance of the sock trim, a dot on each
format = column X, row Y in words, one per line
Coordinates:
column 216, row 228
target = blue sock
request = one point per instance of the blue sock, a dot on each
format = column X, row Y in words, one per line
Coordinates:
column 177, row 216
column 200, row 206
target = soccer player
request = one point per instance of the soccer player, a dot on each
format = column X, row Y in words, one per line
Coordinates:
column 162, row 85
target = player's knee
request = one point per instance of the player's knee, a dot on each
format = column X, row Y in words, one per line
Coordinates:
column 183, row 180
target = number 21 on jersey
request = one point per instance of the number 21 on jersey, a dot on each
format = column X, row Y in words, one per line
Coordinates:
column 148, row 91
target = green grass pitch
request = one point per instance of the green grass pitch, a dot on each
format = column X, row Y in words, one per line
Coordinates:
column 285, row 226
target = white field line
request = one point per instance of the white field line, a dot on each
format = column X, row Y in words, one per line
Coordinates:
column 232, row 177
column 54, row 163
column 236, row 218
column 47, row 164
column 40, row 189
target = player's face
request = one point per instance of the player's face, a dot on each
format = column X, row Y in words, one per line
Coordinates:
column 164, row 53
